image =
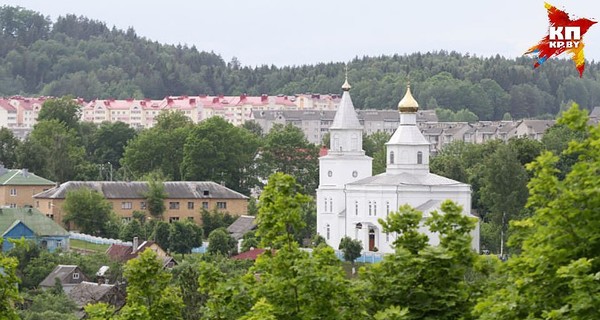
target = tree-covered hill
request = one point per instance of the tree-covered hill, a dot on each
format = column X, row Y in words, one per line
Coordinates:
column 85, row 58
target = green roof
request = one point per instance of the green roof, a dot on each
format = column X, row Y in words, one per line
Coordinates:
column 32, row 218
column 22, row 177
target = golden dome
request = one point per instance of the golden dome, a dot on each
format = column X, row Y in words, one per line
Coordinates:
column 408, row 103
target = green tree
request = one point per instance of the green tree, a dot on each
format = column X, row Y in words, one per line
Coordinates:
column 109, row 141
column 253, row 127
column 53, row 151
column 287, row 150
column 429, row 281
column 148, row 289
column 52, row 306
column 65, row 110
column 218, row 151
column 184, row 236
column 8, row 148
column 215, row 219
column 159, row 149
column 249, row 240
column 161, row 234
column 280, row 211
column 89, row 212
column 220, row 242
column 9, row 292
column 351, row 248
column 555, row 276
column 374, row 146
column 155, row 196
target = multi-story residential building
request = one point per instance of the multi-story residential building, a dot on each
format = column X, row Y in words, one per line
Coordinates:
column 315, row 124
column 321, row 102
column 18, row 186
column 185, row 199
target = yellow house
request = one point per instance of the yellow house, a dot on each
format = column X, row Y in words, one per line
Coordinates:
column 18, row 186
column 185, row 199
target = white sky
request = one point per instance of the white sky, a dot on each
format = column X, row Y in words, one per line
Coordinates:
column 285, row 32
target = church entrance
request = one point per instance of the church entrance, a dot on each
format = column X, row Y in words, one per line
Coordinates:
column 371, row 239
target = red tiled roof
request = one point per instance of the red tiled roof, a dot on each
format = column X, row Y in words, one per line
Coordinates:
column 249, row 255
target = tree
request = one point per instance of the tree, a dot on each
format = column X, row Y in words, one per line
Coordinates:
column 253, row 127
column 218, row 151
column 184, row 236
column 8, row 148
column 52, row 150
column 9, row 292
column 88, row 211
column 374, row 146
column 555, row 276
column 159, row 149
column 148, row 289
column 65, row 110
column 52, row 306
column 287, row 150
column 220, row 242
column 280, row 211
column 429, row 281
column 155, row 196
column 161, row 234
column 215, row 219
column 351, row 248
column 109, row 141
column 249, row 241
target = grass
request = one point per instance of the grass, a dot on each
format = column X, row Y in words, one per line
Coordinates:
column 80, row 244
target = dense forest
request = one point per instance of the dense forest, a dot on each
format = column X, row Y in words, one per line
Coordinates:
column 85, row 58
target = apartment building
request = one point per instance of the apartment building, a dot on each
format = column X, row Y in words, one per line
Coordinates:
column 184, row 201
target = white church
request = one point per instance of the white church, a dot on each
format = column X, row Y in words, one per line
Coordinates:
column 350, row 199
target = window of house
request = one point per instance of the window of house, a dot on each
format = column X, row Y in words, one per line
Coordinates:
column 174, row 205
column 326, row 203
column 59, row 244
column 51, row 216
column 356, row 207
column 328, row 231
column 126, row 205
column 222, row 205
column 13, row 192
column 370, row 208
column 190, row 219
column 205, row 193
column 76, row 275
column 13, row 205
column 392, row 157
column 330, row 204
column 173, row 219
column 204, row 205
column 190, row 205
column 375, row 208
column 387, row 208
column 143, row 205
column 419, row 157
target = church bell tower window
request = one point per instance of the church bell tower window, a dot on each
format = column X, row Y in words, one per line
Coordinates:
column 419, row 157
column 391, row 157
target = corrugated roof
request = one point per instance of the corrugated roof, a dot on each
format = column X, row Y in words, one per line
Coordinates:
column 33, row 219
column 137, row 190
column 22, row 177
column 61, row 272
column 89, row 292
column 241, row 226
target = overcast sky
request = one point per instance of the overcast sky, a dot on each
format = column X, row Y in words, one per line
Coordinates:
column 284, row 32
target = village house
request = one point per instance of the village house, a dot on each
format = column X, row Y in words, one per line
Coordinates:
column 184, row 201
column 18, row 186
column 30, row 224
column 69, row 276
column 124, row 252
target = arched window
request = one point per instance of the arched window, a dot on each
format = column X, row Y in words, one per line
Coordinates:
column 391, row 157
column 375, row 208
column 387, row 208
column 330, row 204
column 328, row 231
column 370, row 208
column 419, row 157
column 325, row 209
column 356, row 207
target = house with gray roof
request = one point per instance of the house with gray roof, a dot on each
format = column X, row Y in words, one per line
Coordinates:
column 68, row 275
column 185, row 199
column 86, row 293
column 30, row 224
column 241, row 226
